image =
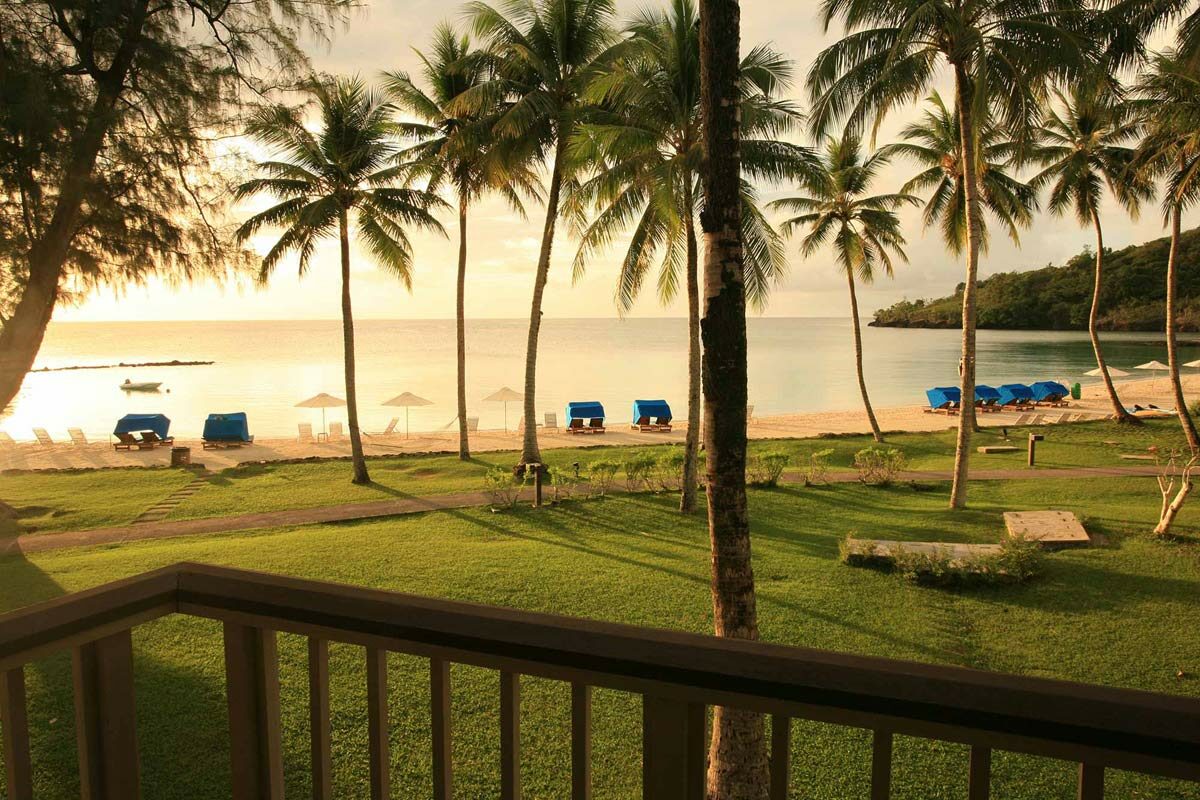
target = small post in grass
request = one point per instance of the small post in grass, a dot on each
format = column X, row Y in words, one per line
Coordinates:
column 1034, row 438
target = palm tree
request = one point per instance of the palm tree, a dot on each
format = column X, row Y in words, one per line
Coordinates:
column 320, row 179
column 1169, row 109
column 544, row 54
column 934, row 142
column 1000, row 56
column 864, row 230
column 456, row 149
column 1082, row 149
column 648, row 159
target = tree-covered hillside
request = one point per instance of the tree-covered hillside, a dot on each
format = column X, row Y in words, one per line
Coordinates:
column 1058, row 298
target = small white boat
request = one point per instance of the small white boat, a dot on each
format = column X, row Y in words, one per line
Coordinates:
column 145, row 386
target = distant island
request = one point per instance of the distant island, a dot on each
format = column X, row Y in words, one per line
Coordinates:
column 172, row 363
column 1058, row 298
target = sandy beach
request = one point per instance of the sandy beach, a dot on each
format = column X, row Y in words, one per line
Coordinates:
column 1093, row 405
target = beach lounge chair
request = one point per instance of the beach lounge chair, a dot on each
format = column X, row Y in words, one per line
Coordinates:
column 153, row 440
column 127, row 441
column 943, row 400
column 1061, row 418
column 575, row 426
column 6, row 440
column 1050, row 393
column 336, row 433
column 304, row 430
column 472, row 424
column 389, row 430
column 1024, row 419
column 77, row 436
column 43, row 438
column 131, row 424
column 987, row 399
column 551, row 421
column 1016, row 396
column 226, row 430
column 1038, row 419
column 749, row 414
column 590, row 415
column 651, row 415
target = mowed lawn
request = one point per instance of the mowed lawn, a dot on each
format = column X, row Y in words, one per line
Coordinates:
column 68, row 501
column 1123, row 614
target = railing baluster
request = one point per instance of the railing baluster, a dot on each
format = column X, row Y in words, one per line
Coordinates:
column 379, row 749
column 979, row 780
column 1091, row 782
column 439, row 707
column 881, row 765
column 105, row 719
column 252, row 689
column 581, row 742
column 14, row 726
column 672, row 749
column 781, row 756
column 510, row 736
column 318, row 719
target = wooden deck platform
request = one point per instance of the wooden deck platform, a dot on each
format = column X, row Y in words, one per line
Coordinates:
column 1051, row 529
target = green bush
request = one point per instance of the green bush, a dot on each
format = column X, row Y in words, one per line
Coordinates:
column 816, row 471
column 503, row 487
column 1019, row 560
column 564, row 481
column 766, row 469
column 601, row 475
column 668, row 471
column 639, row 471
column 878, row 466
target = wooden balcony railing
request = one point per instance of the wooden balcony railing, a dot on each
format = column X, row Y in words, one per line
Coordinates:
column 678, row 675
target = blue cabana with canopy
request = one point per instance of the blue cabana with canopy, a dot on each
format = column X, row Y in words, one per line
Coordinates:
column 944, row 398
column 1015, row 394
column 140, row 423
column 227, row 430
column 651, row 415
column 1049, row 392
column 585, row 417
column 986, row 396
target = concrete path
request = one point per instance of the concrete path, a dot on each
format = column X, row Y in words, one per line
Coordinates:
column 41, row 542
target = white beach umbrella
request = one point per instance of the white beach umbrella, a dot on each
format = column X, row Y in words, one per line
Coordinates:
column 1113, row 372
column 322, row 401
column 1153, row 365
column 407, row 401
column 1192, row 364
column 506, row 396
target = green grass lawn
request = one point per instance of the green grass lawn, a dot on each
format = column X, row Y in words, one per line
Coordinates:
column 1122, row 614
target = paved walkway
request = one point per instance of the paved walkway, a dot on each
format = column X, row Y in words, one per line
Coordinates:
column 41, row 542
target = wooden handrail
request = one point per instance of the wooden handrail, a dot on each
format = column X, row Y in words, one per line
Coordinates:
column 1093, row 725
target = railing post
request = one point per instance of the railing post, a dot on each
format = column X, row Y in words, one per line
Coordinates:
column 881, row 765
column 510, row 736
column 318, row 719
column 252, row 689
column 581, row 742
column 1091, row 782
column 781, row 752
column 979, row 780
column 378, row 747
column 672, row 749
column 439, row 706
column 106, row 720
column 14, row 726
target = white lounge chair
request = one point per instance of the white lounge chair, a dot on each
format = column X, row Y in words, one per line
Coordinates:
column 1060, row 419
column 391, row 427
column 472, row 424
column 77, row 436
column 305, row 431
column 1024, row 419
column 6, row 440
column 551, row 421
column 335, row 432
column 749, row 414
column 43, row 438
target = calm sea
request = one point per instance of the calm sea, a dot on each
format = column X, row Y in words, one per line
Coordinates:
column 265, row 368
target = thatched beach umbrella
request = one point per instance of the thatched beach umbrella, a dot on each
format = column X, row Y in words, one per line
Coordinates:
column 407, row 401
column 322, row 401
column 1112, row 371
column 1153, row 366
column 1192, row 364
column 506, row 396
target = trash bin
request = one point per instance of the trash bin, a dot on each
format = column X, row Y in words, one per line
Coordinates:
column 1076, row 391
column 181, row 456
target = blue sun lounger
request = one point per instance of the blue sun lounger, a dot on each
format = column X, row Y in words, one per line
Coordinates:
column 585, row 417
column 987, row 398
column 651, row 415
column 1017, row 396
column 226, row 430
column 1050, row 393
column 943, row 400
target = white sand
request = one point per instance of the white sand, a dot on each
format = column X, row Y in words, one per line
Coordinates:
column 899, row 418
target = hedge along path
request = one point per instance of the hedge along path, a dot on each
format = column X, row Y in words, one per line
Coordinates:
column 346, row 512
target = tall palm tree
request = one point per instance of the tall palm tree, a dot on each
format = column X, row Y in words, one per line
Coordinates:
column 1000, row 56
column 322, row 179
column 1168, row 104
column 457, row 149
column 648, row 158
column 544, row 54
column 864, row 230
column 934, row 142
column 1082, row 149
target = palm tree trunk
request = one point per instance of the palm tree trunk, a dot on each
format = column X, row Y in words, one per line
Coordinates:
column 737, row 762
column 691, row 443
column 858, row 359
column 356, row 448
column 22, row 333
column 1118, row 407
column 464, row 446
column 966, row 417
column 1185, row 419
column 530, row 453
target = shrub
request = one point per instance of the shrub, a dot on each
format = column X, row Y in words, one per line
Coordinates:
column 1019, row 560
column 564, row 480
column 817, row 469
column 878, row 466
column 503, row 487
column 639, row 471
column 601, row 475
column 766, row 469
column 668, row 471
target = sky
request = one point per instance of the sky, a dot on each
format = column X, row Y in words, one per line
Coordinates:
column 503, row 247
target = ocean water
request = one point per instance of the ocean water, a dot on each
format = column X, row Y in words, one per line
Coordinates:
column 265, row 368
